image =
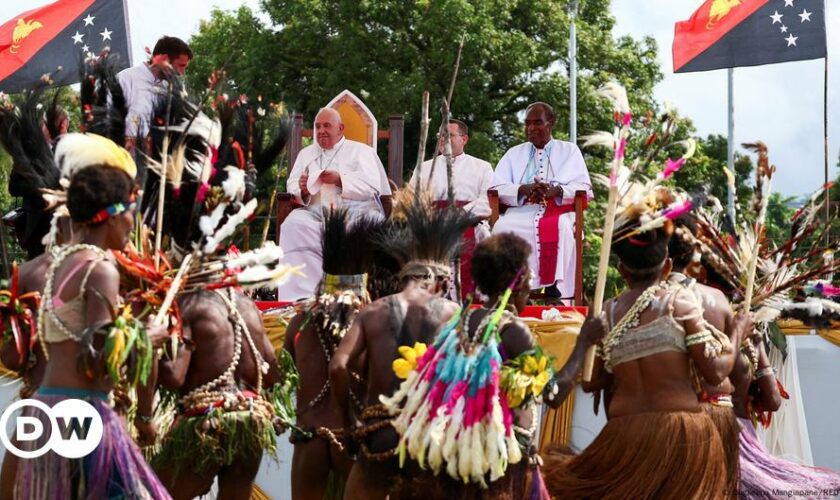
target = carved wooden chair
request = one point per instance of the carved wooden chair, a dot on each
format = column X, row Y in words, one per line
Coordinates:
column 359, row 125
column 581, row 203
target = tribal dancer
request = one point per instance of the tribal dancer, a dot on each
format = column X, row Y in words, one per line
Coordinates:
column 717, row 314
column 423, row 246
column 312, row 337
column 474, row 427
column 77, row 311
column 757, row 395
column 33, row 169
column 657, row 441
column 225, row 374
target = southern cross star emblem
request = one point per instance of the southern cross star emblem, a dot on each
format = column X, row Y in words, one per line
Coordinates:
column 90, row 31
column 789, row 28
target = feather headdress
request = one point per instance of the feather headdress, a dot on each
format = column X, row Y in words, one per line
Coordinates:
column 103, row 103
column 427, row 235
column 33, row 167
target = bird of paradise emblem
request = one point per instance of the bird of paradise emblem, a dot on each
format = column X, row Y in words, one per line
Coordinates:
column 22, row 30
column 719, row 10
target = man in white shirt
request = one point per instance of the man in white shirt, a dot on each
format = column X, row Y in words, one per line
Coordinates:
column 333, row 171
column 143, row 84
column 471, row 178
column 537, row 180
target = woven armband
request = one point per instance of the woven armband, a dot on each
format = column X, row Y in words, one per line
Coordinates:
column 713, row 347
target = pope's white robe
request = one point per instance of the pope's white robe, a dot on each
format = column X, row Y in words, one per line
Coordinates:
column 471, row 178
column 559, row 163
column 363, row 180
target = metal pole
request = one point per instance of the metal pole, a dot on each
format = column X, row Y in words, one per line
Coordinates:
column 730, row 150
column 573, row 74
column 825, row 150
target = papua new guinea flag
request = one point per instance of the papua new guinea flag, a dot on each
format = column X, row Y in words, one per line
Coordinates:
column 55, row 39
column 732, row 33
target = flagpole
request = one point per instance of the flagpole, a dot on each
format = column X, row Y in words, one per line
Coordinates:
column 128, row 34
column 825, row 148
column 730, row 148
column 573, row 74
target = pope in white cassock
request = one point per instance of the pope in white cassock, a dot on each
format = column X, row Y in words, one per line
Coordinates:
column 538, row 181
column 471, row 177
column 332, row 171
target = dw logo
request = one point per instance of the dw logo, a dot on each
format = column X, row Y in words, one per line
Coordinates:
column 75, row 428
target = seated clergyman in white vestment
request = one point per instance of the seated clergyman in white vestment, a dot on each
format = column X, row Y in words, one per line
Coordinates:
column 333, row 171
column 538, row 181
column 471, row 177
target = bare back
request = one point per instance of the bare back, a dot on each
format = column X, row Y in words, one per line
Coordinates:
column 658, row 382
column 206, row 319
column 393, row 321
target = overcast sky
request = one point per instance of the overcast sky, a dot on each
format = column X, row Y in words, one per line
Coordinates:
column 779, row 104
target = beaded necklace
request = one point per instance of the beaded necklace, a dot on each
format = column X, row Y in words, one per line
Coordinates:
column 628, row 322
column 227, row 381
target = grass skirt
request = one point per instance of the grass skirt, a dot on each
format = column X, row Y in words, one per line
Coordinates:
column 215, row 439
column 766, row 476
column 727, row 425
column 649, row 455
column 115, row 469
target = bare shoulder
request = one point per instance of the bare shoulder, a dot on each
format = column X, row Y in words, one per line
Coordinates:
column 516, row 337
column 713, row 293
column 103, row 271
column 198, row 305
column 33, row 273
column 376, row 311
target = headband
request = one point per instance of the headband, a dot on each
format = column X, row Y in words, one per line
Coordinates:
column 356, row 283
column 112, row 210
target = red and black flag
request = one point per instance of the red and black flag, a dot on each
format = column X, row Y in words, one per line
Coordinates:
column 55, row 39
column 732, row 33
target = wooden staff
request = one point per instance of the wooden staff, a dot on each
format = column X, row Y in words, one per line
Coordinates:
column 424, row 136
column 162, row 314
column 162, row 185
column 444, row 126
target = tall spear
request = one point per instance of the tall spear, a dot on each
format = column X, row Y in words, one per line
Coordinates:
column 424, row 135
column 162, row 185
column 621, row 129
column 444, row 127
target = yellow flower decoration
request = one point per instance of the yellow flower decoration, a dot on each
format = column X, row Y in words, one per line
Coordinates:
column 538, row 383
column 525, row 377
column 529, row 365
column 407, row 361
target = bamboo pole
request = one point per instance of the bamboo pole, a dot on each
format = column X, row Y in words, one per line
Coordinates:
column 603, row 266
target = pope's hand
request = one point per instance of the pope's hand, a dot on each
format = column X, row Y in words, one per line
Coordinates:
column 331, row 177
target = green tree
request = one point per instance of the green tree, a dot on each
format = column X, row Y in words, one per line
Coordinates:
column 390, row 51
column 515, row 52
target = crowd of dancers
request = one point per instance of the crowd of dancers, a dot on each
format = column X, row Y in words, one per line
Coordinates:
column 134, row 300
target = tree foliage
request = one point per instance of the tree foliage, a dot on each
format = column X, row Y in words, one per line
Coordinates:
column 515, row 52
column 389, row 52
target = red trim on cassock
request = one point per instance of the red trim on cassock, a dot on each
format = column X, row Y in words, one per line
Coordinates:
column 549, row 237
